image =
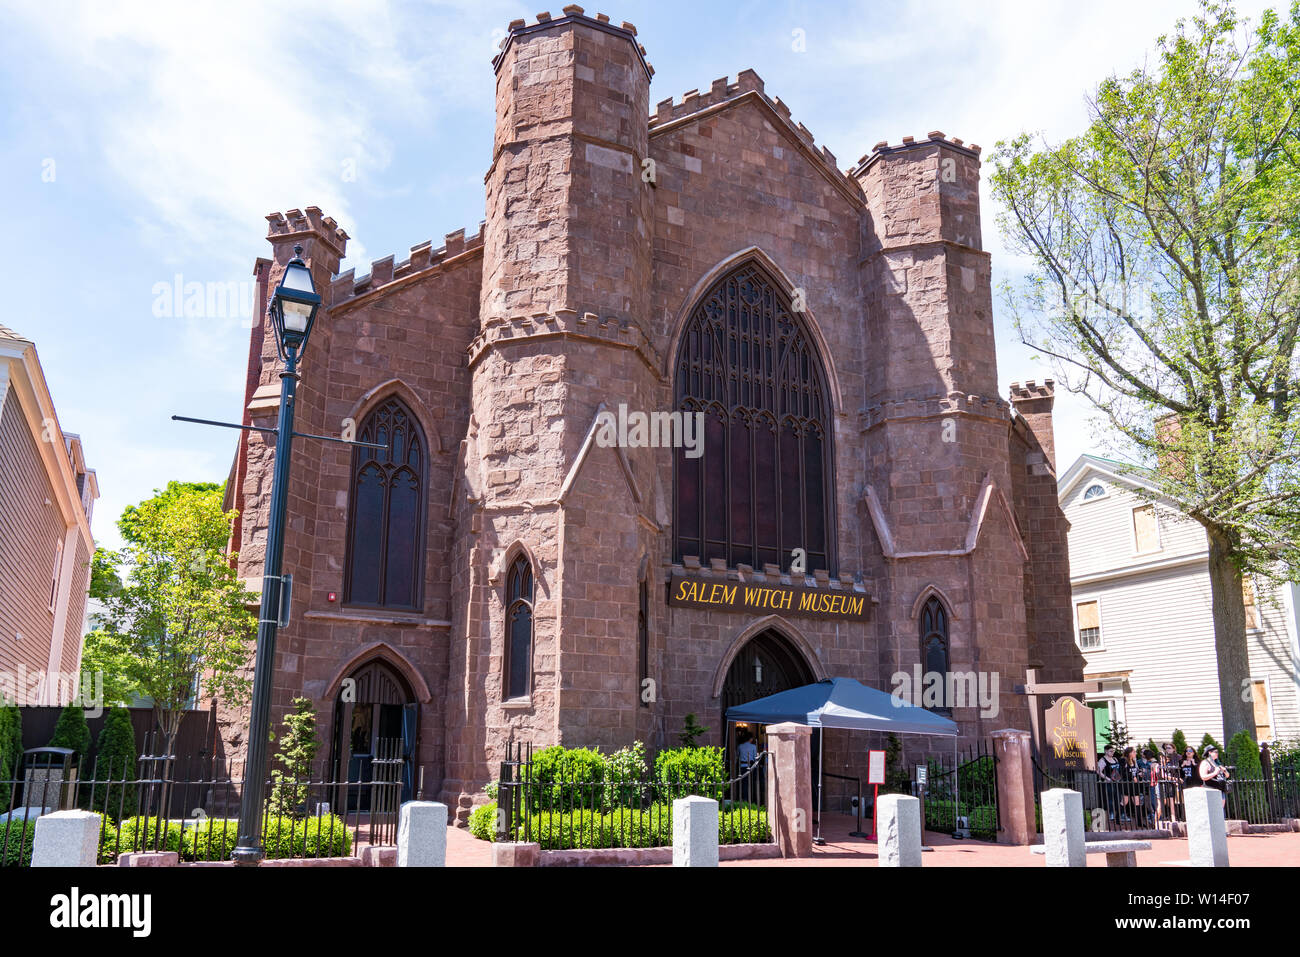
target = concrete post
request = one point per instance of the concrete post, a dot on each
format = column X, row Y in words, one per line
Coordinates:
column 1063, row 828
column 898, row 820
column 1015, row 777
column 695, row 832
column 789, row 788
column 422, row 835
column 1207, row 833
column 66, row 839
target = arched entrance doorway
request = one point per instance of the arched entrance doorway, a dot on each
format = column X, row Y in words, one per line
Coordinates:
column 767, row 664
column 375, row 715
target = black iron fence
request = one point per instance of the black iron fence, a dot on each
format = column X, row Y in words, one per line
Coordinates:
column 165, row 803
column 563, row 812
column 1269, row 800
column 961, row 792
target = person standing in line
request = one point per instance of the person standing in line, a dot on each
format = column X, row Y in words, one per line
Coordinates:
column 1212, row 773
column 1108, row 770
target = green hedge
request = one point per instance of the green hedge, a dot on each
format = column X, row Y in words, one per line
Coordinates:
column 942, row 816
column 214, row 839
column 19, row 834
column 653, row 827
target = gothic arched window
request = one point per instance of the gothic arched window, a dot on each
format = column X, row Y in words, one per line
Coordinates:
column 763, row 486
column 385, row 549
column 517, row 670
column 934, row 642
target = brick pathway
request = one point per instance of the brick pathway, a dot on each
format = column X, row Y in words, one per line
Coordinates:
column 1251, row 850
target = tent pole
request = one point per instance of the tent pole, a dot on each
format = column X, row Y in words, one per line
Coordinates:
column 821, row 776
column 956, row 787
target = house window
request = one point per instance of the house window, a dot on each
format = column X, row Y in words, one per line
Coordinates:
column 1093, row 491
column 934, row 642
column 519, row 628
column 763, row 486
column 1263, row 719
column 1252, row 608
column 1146, row 529
column 385, row 550
column 1089, row 613
column 56, row 574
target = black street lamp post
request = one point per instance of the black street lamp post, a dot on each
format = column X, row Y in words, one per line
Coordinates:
column 293, row 311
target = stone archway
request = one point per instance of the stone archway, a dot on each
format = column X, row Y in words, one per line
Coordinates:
column 375, row 712
column 768, row 663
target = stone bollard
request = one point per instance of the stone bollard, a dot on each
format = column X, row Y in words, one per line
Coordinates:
column 898, row 823
column 695, row 832
column 66, row 839
column 1207, row 834
column 422, row 835
column 789, row 788
column 1063, row 828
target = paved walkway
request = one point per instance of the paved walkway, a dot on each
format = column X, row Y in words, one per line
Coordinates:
column 1250, row 850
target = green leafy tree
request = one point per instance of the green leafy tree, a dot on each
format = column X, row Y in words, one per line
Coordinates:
column 71, row 731
column 1166, row 256
column 691, row 729
column 115, row 764
column 180, row 624
column 298, row 747
column 1179, row 741
column 1209, row 742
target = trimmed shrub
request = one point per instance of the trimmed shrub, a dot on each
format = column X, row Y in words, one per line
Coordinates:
column 115, row 764
column 147, row 834
column 692, row 768
column 1179, row 741
column 567, row 778
column 482, row 821
column 1243, row 754
column 72, row 731
column 16, row 839
column 1209, row 741
column 11, row 749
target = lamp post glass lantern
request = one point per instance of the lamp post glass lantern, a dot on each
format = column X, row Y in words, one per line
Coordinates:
column 293, row 312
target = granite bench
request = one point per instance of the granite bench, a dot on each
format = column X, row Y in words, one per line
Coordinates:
column 1118, row 853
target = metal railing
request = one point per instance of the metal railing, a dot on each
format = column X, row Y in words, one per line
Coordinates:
column 565, row 813
column 191, row 806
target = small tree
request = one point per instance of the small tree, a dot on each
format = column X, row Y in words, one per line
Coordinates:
column 11, row 749
column 298, row 747
column 1179, row 741
column 691, row 729
column 1116, row 734
column 1209, row 742
column 71, row 731
column 115, row 764
column 1242, row 754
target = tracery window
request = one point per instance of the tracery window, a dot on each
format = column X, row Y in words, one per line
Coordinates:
column 762, row 487
column 934, row 642
column 517, row 668
column 385, row 548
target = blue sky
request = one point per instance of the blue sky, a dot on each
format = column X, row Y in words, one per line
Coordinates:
column 143, row 141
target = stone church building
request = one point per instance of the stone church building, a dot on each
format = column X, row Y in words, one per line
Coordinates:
column 860, row 492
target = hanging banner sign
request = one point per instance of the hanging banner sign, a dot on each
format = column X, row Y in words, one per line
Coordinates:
column 692, row 591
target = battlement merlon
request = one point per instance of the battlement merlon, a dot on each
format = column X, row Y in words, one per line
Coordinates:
column 573, row 14
column 324, row 242
column 1032, row 391
column 941, row 177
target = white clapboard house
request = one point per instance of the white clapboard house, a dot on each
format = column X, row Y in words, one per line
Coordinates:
column 1142, row 615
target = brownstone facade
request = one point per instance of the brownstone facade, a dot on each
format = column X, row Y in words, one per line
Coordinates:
column 603, row 233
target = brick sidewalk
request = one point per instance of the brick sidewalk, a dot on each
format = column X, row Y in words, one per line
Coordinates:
column 840, row 850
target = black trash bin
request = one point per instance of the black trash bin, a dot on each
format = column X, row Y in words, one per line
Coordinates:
column 50, row 778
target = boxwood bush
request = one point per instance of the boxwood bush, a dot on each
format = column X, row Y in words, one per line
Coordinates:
column 482, row 821
column 16, row 842
column 623, row 827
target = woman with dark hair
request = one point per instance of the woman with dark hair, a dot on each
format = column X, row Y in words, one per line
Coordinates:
column 1213, row 774
column 1187, row 775
column 1133, row 784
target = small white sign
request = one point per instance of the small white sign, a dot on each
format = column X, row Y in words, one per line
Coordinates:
column 922, row 774
column 875, row 767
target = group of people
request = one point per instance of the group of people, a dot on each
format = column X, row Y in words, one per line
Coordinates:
column 1142, row 787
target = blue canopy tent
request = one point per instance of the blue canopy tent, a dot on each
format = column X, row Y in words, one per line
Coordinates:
column 842, row 703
